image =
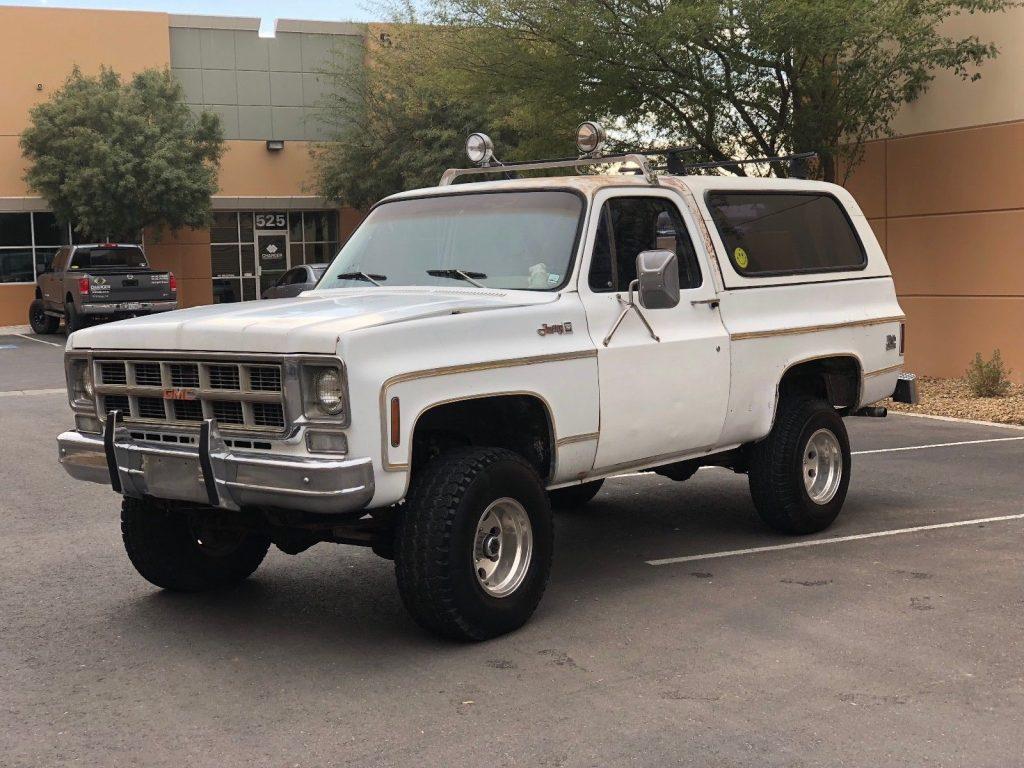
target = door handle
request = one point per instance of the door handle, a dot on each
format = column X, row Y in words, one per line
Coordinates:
column 712, row 303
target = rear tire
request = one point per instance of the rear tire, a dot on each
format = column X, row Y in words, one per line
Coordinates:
column 458, row 577
column 40, row 321
column 800, row 473
column 167, row 551
column 574, row 495
column 72, row 320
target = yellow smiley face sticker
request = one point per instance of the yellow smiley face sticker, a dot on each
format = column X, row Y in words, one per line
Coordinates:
column 740, row 257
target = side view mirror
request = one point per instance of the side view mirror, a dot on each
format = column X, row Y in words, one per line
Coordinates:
column 657, row 275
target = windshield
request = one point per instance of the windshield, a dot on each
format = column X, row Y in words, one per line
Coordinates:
column 129, row 257
column 514, row 240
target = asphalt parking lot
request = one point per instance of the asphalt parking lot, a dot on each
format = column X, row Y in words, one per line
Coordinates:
column 895, row 649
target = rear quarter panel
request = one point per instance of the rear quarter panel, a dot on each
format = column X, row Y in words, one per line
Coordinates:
column 777, row 322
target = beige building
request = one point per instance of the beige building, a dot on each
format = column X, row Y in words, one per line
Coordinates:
column 946, row 196
column 264, row 89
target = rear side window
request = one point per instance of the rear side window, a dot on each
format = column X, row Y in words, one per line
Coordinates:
column 772, row 233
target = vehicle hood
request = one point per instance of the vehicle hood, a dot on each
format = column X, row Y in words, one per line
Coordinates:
column 311, row 323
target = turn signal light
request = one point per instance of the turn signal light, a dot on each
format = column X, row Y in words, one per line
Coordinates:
column 396, row 423
column 83, row 285
column 173, row 282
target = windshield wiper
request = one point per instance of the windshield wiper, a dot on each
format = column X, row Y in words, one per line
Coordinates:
column 459, row 274
column 368, row 277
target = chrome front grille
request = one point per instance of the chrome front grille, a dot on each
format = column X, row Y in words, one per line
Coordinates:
column 242, row 395
column 223, row 376
column 113, row 373
column 265, row 378
column 184, row 374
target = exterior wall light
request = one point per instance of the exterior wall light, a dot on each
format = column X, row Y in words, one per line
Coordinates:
column 275, row 145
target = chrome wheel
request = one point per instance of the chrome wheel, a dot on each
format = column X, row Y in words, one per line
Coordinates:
column 502, row 547
column 822, row 466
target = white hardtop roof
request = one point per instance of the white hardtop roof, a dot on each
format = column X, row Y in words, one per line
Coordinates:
column 590, row 184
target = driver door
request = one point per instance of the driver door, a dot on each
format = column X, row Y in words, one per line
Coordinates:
column 659, row 398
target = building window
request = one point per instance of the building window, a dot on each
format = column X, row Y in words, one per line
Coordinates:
column 312, row 238
column 232, row 257
column 22, row 255
column 28, row 242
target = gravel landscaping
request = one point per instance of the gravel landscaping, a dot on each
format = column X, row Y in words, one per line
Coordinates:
column 951, row 397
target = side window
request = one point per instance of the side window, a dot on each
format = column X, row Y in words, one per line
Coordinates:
column 779, row 233
column 298, row 276
column 629, row 225
column 59, row 260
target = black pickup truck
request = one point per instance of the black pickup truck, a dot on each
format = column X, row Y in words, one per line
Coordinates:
column 99, row 282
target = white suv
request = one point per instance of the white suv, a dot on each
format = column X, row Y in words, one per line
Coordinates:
column 478, row 353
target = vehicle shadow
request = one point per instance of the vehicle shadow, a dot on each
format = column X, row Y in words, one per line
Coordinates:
column 342, row 602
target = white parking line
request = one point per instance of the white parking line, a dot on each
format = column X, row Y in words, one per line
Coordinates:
column 39, row 341
column 938, row 445
column 833, row 540
column 28, row 392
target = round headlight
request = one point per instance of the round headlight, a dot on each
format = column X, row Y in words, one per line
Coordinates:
column 589, row 137
column 479, row 148
column 329, row 394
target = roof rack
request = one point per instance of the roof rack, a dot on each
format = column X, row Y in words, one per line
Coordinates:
column 590, row 138
column 638, row 158
column 797, row 161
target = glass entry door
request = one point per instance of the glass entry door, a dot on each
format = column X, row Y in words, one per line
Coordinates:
column 271, row 257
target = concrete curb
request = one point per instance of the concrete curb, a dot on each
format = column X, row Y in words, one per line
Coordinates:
column 6, row 329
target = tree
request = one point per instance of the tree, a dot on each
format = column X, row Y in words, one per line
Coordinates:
column 730, row 78
column 115, row 158
column 401, row 117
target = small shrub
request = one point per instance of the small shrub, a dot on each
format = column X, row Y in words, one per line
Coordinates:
column 988, row 378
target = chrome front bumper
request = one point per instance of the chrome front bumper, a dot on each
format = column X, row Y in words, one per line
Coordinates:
column 214, row 475
column 106, row 307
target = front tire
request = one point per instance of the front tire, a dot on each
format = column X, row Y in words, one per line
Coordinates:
column 40, row 321
column 474, row 544
column 800, row 473
column 168, row 550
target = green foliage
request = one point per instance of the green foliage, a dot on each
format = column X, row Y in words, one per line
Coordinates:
column 116, row 157
column 988, row 378
column 730, row 78
column 401, row 118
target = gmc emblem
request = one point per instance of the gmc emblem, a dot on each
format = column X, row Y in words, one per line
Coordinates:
column 179, row 393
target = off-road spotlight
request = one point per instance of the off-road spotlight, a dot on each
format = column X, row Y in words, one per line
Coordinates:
column 590, row 137
column 480, row 148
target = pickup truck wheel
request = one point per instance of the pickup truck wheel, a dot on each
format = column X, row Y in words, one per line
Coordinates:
column 574, row 495
column 474, row 544
column 39, row 320
column 800, row 473
column 72, row 320
column 169, row 552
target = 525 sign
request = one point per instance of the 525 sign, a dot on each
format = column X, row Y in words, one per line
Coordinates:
column 271, row 221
